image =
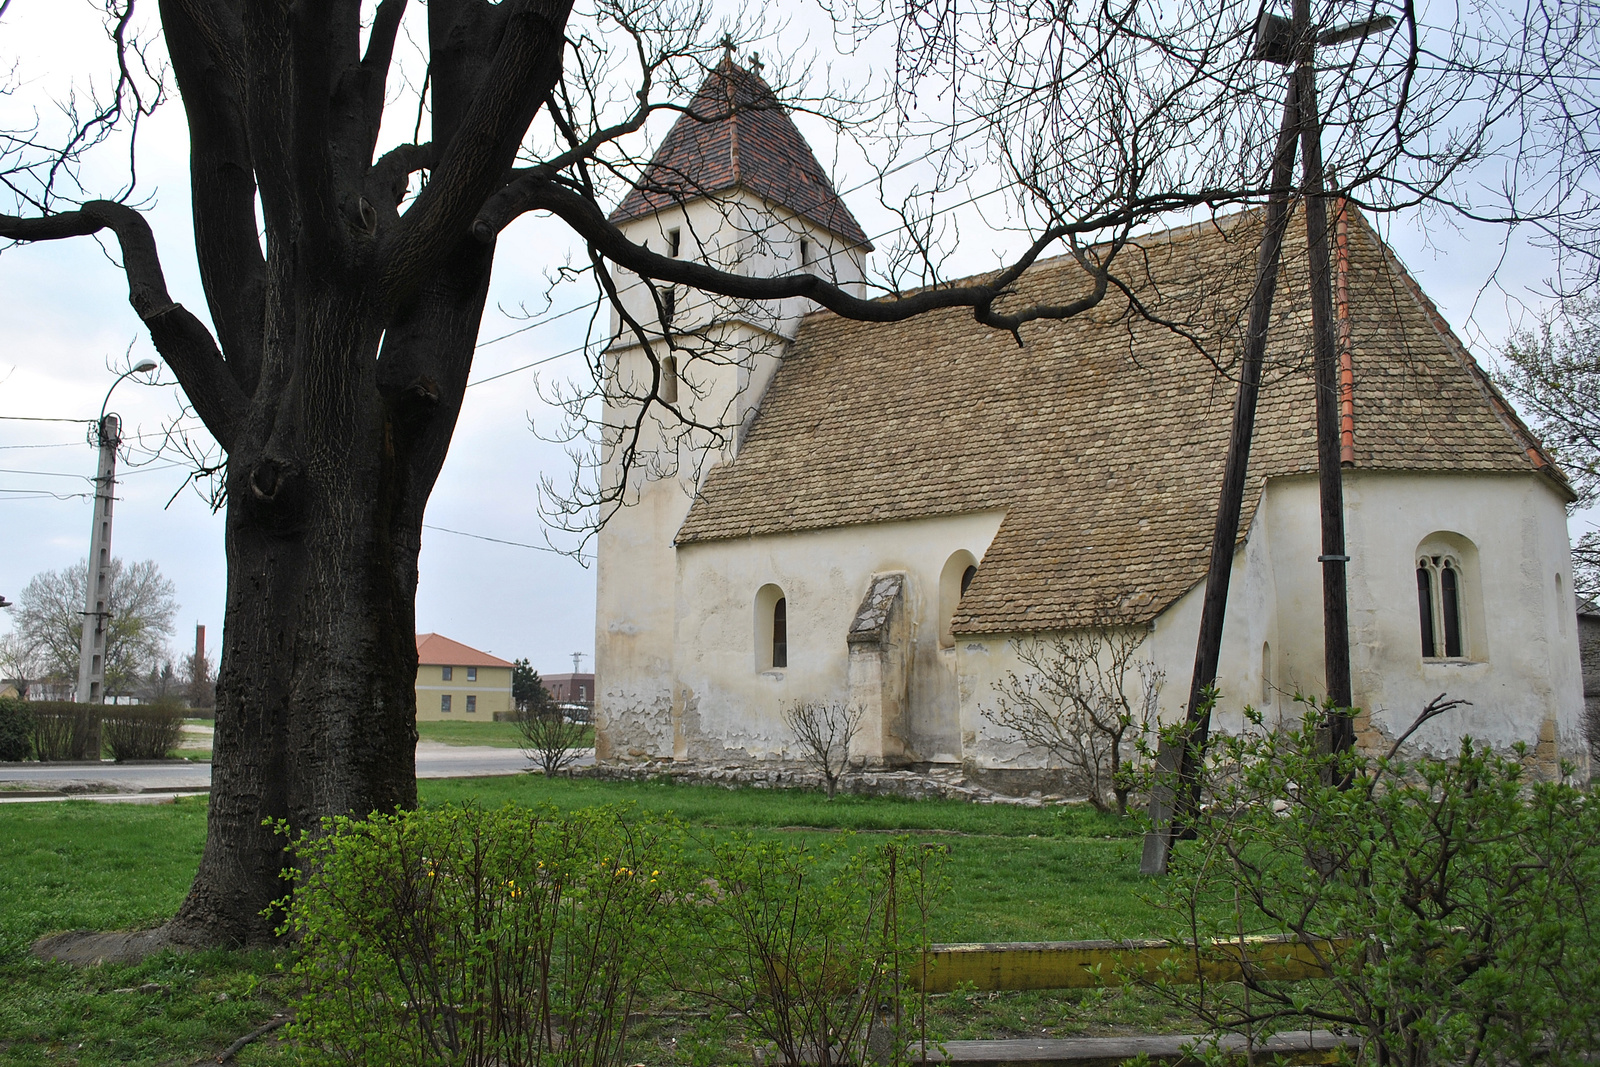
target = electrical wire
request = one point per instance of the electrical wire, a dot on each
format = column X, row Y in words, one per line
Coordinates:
column 40, row 418
column 527, row 366
column 40, row 494
column 496, row 540
column 42, row 474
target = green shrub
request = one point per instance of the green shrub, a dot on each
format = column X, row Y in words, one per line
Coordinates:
column 468, row 937
column 813, row 948
column 1462, row 897
column 141, row 731
column 16, row 730
column 63, row 730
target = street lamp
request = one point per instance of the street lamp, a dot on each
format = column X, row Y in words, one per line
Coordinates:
column 92, row 648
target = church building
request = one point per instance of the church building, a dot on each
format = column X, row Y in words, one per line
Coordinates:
column 878, row 515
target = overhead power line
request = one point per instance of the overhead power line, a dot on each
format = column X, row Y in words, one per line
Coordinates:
column 527, row 366
column 40, row 418
column 42, row 474
column 496, row 540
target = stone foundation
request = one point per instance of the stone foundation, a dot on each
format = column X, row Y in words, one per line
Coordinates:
column 931, row 781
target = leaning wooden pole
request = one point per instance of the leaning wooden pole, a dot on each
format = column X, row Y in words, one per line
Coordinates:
column 1330, row 477
column 1184, row 758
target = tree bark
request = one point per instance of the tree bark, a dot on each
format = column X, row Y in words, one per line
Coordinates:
column 327, row 483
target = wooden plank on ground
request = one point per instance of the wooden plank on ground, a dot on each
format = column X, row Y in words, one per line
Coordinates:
column 1293, row 1047
column 1088, row 964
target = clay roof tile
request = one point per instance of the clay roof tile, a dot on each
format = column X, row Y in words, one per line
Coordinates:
column 736, row 134
column 1102, row 438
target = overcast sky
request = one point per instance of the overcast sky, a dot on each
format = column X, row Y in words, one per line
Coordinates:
column 66, row 330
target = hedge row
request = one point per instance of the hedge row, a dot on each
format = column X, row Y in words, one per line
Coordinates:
column 56, row 730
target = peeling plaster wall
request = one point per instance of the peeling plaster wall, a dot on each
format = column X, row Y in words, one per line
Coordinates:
column 1526, row 672
column 1527, row 686
column 732, row 710
column 639, row 711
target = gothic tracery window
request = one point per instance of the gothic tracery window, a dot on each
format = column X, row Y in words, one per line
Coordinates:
column 1439, row 607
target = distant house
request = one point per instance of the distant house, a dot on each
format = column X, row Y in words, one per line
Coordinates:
column 455, row 681
column 569, row 688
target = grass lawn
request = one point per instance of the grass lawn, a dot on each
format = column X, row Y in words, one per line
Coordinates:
column 79, row 864
column 493, row 734
column 1017, row 874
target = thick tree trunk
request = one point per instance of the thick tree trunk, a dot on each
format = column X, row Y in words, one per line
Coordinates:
column 316, row 705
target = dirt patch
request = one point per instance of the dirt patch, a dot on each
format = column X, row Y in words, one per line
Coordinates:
column 91, row 948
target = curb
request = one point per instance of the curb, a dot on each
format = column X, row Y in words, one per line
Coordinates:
column 14, row 765
column 155, row 790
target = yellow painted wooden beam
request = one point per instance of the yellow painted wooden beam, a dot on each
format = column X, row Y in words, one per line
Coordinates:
column 1087, row 964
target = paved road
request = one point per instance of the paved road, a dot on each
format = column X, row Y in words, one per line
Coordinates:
column 434, row 760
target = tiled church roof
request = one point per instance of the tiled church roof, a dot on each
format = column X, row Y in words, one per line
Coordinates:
column 737, row 135
column 1103, row 437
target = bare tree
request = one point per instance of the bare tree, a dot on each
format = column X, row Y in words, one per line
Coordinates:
column 822, row 731
column 142, row 603
column 21, row 662
column 549, row 738
column 1553, row 373
column 1083, row 700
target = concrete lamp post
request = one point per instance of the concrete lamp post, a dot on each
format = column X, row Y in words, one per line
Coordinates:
column 106, row 435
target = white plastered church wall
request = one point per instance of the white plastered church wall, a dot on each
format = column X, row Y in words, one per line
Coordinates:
column 729, row 708
column 1522, row 673
column 1523, row 678
column 1249, row 628
column 634, row 651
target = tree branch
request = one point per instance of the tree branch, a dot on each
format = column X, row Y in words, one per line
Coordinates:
column 223, row 189
column 393, row 170
column 533, row 193
column 478, row 154
column 182, row 340
column 375, row 64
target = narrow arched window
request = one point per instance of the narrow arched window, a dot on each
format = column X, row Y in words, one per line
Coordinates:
column 1450, row 608
column 1425, row 609
column 957, row 575
column 771, row 629
column 780, row 633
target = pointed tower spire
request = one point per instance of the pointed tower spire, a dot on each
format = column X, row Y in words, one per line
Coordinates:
column 736, row 134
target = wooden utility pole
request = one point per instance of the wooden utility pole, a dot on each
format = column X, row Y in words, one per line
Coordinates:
column 1330, row 477
column 1289, row 42
column 1165, row 801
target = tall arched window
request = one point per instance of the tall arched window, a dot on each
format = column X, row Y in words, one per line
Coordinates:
column 771, row 629
column 959, row 570
column 1447, row 612
column 780, row 633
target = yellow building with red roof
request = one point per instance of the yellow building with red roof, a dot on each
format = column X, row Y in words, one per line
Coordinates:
column 456, row 681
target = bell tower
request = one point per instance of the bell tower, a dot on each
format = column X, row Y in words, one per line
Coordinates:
column 735, row 185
